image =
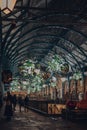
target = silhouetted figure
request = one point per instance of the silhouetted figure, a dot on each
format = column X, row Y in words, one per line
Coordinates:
column 8, row 110
column 8, row 106
column 26, row 103
column 20, row 102
column 14, row 101
column 9, row 97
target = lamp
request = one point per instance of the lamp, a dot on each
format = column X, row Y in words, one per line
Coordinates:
column 7, row 5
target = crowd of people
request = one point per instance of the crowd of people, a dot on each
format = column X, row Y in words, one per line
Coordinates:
column 11, row 102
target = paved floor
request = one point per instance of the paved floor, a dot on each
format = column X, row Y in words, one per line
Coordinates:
column 33, row 121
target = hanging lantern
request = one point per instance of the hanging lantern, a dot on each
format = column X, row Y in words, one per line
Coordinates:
column 65, row 68
column 53, row 79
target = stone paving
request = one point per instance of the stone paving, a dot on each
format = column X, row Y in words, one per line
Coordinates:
column 33, row 121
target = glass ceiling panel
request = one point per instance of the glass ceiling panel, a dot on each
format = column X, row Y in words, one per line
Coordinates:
column 79, row 55
column 75, row 37
column 84, row 46
column 71, row 59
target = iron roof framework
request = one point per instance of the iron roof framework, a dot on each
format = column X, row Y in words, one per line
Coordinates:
column 40, row 29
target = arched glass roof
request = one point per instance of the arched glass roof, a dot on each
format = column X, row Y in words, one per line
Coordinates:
column 38, row 29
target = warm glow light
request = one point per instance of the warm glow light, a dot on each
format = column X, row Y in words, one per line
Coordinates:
column 7, row 5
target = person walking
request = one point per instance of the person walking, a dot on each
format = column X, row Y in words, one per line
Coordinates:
column 8, row 107
column 14, row 101
column 20, row 102
column 26, row 103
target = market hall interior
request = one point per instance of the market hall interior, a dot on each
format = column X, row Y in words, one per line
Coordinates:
column 43, row 55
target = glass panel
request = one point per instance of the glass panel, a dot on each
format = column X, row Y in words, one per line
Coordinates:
column 7, row 5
